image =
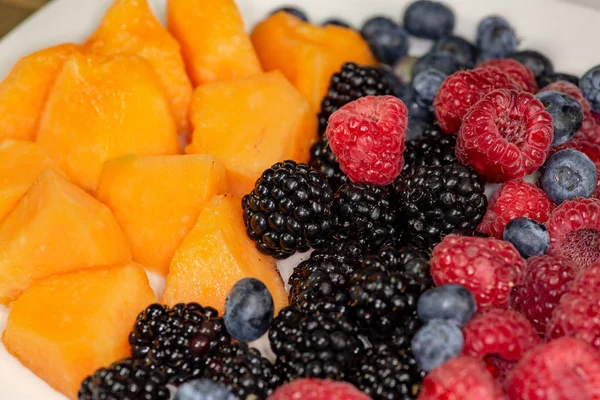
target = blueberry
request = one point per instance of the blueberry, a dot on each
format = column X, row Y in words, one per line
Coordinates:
column 429, row 19
column 387, row 39
column 296, row 12
column 495, row 38
column 538, row 63
column 203, row 389
column 416, row 108
column 427, row 83
column 393, row 80
column 590, row 86
column 415, row 128
column 249, row 310
column 463, row 51
column 557, row 76
column 566, row 112
column 529, row 237
column 447, row 302
column 436, row 342
column 337, row 22
column 568, row 174
column 443, row 62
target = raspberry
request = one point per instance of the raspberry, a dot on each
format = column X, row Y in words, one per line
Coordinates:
column 518, row 72
column 574, row 229
column 461, row 90
column 515, row 199
column 506, row 135
column 464, row 378
column 499, row 367
column 503, row 333
column 367, row 137
column 489, row 268
column 317, row 389
column 589, row 129
column 578, row 313
column 564, row 369
column 570, row 89
column 546, row 279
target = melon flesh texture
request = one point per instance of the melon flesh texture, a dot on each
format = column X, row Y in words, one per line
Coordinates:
column 130, row 27
column 25, row 90
column 55, row 228
column 157, row 199
column 67, row 326
column 20, row 165
column 213, row 38
column 308, row 55
column 251, row 124
column 104, row 107
column 215, row 255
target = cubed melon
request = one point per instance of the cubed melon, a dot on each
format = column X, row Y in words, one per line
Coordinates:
column 251, row 124
column 103, row 107
column 65, row 327
column 157, row 199
column 215, row 255
column 56, row 227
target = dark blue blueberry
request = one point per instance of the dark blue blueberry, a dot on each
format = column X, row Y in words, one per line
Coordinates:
column 495, row 38
column 590, row 86
column 557, row 76
column 337, row 22
column 416, row 108
column 463, row 51
column 427, row 83
column 447, row 302
column 296, row 12
column 249, row 310
column 443, row 62
column 568, row 174
column 388, row 40
column 436, row 342
column 203, row 389
column 415, row 128
column 529, row 237
column 429, row 19
column 538, row 63
column 566, row 112
column 394, row 81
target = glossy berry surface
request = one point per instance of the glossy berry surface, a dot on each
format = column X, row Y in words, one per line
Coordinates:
column 496, row 38
column 529, row 237
column 518, row 72
column 461, row 49
column 568, row 174
column 539, row 64
column 203, row 389
column 567, row 114
column 249, row 310
column 429, row 19
column 432, row 148
column 427, row 83
column 436, row 342
column 440, row 61
column 317, row 389
column 449, row 302
column 388, row 40
column 590, row 86
column 324, row 162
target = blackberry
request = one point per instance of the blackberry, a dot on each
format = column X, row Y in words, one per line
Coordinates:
column 439, row 199
column 178, row 339
column 127, row 379
column 351, row 83
column 289, row 210
column 434, row 147
column 242, row 370
column 324, row 162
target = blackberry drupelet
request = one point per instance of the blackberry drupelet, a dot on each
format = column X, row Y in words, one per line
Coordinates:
column 324, row 162
column 351, row 83
column 289, row 210
column 242, row 370
column 126, row 379
column 178, row 339
column 434, row 147
column 437, row 200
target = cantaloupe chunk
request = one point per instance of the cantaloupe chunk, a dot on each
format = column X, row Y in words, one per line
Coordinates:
column 56, row 227
column 213, row 38
column 103, row 107
column 307, row 54
column 157, row 199
column 65, row 327
column 130, row 27
column 215, row 255
column 25, row 90
column 20, row 165
column 251, row 124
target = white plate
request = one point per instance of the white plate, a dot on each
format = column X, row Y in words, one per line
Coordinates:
column 567, row 33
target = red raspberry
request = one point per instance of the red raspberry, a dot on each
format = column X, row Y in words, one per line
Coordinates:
column 504, row 333
column 570, row 89
column 488, row 267
column 498, row 367
column 519, row 73
column 564, row 369
column 461, row 90
column 596, row 117
column 574, row 229
column 589, row 129
column 578, row 313
column 514, row 199
column 506, row 135
column 546, row 279
column 461, row 378
column 317, row 389
column 367, row 137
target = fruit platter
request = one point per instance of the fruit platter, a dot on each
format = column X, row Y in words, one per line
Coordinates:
column 256, row 200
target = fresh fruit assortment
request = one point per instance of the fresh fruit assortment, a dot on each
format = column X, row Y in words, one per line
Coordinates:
column 301, row 137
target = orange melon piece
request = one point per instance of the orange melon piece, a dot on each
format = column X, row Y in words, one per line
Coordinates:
column 251, row 124
column 65, row 327
column 215, row 255
column 157, row 199
column 130, row 27
column 307, row 54
column 20, row 165
column 213, row 38
column 103, row 107
column 56, row 227
column 25, row 90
